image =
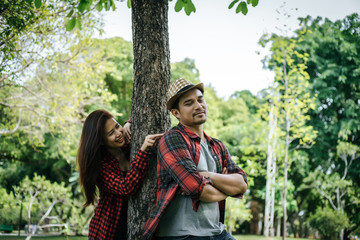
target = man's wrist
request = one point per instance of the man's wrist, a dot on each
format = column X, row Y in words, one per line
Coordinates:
column 210, row 181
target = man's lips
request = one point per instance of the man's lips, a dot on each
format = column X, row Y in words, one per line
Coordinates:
column 197, row 113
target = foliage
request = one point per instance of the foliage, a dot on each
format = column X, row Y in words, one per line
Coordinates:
column 118, row 55
column 185, row 69
column 47, row 204
column 9, row 209
column 333, row 66
column 290, row 103
column 236, row 213
column 33, row 96
column 79, row 7
column 329, row 222
column 243, row 6
column 79, row 217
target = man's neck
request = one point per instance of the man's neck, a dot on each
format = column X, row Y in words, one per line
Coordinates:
column 198, row 130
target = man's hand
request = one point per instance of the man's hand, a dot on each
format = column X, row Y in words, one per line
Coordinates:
column 230, row 184
column 211, row 194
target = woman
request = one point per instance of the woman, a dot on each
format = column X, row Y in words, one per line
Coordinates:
column 103, row 160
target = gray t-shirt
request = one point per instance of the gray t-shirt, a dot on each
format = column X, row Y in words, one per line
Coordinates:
column 180, row 219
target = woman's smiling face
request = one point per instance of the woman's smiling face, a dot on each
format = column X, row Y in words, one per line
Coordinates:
column 113, row 134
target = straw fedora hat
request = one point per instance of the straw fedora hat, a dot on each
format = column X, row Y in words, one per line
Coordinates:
column 178, row 88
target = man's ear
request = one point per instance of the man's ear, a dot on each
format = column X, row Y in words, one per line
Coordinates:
column 175, row 112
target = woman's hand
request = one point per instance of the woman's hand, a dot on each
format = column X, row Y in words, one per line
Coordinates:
column 127, row 132
column 150, row 141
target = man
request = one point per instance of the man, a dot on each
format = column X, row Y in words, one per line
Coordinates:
column 195, row 173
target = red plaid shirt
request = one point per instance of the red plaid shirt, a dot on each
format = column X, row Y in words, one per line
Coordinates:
column 114, row 186
column 178, row 156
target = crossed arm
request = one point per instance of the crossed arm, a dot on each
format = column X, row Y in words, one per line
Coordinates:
column 224, row 185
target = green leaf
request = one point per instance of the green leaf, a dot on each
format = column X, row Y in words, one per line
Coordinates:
column 189, row 7
column 78, row 23
column 82, row 5
column 38, row 3
column 108, row 5
column 129, row 3
column 248, row 1
column 179, row 5
column 113, row 5
column 254, row 3
column 70, row 24
column 244, row 8
column 70, row 13
column 233, row 3
column 238, row 9
column 99, row 6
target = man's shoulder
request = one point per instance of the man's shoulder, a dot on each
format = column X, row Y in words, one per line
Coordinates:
column 175, row 131
column 172, row 134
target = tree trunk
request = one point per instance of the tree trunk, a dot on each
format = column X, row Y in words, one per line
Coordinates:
column 151, row 82
column 278, row 229
column 272, row 207
column 268, row 221
column 287, row 126
column 254, row 222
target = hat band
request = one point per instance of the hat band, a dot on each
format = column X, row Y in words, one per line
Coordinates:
column 185, row 88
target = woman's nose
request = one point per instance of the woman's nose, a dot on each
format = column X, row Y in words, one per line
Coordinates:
column 119, row 131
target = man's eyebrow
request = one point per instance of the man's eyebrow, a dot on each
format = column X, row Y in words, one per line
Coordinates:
column 188, row 100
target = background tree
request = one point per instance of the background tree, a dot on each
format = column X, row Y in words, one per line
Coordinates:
column 31, row 37
column 43, row 195
column 333, row 49
column 292, row 101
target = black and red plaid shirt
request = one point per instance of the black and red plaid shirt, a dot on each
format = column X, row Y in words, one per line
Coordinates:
column 114, row 186
column 178, row 156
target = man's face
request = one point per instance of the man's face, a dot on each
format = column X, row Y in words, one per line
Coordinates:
column 192, row 108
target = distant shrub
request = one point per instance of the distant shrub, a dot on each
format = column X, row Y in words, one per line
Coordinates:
column 329, row 222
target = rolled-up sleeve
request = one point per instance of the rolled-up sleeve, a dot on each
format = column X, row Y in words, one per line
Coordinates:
column 232, row 167
column 111, row 181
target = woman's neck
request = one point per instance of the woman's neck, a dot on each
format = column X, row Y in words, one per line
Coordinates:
column 120, row 156
column 115, row 152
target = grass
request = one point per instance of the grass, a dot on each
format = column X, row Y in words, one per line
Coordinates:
column 238, row 237
column 45, row 238
column 260, row 237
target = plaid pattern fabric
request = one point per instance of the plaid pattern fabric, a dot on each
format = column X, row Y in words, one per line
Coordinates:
column 114, row 186
column 178, row 156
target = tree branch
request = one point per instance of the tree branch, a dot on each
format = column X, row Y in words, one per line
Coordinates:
column 17, row 71
column 15, row 128
column 326, row 196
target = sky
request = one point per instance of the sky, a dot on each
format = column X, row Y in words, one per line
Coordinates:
column 223, row 44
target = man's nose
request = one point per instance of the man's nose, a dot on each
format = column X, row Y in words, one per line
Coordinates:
column 198, row 105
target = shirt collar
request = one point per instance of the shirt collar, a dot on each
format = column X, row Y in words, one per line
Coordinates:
column 193, row 135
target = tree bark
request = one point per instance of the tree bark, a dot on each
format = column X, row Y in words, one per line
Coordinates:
column 268, row 221
column 287, row 141
column 254, row 222
column 151, row 82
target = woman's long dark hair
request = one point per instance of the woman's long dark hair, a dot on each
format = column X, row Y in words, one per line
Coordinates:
column 91, row 151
